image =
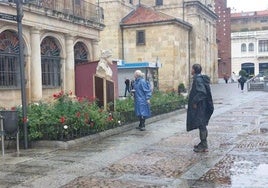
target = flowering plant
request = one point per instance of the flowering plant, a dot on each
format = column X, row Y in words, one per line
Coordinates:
column 66, row 117
column 69, row 117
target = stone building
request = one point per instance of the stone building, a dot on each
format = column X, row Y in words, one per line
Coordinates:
column 223, row 38
column 250, row 42
column 178, row 33
column 56, row 34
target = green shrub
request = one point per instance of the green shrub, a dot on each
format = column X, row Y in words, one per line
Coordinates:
column 67, row 117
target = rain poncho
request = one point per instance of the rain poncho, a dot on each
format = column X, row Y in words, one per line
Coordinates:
column 200, row 95
column 142, row 94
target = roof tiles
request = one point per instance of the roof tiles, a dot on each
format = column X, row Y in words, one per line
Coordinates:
column 144, row 15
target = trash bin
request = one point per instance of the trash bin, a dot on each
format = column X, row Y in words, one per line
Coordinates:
column 10, row 121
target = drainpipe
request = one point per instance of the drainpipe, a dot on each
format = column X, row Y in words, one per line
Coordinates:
column 189, row 58
column 183, row 10
column 122, row 39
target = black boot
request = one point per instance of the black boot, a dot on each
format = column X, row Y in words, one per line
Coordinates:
column 139, row 127
column 203, row 145
column 140, row 124
column 142, row 121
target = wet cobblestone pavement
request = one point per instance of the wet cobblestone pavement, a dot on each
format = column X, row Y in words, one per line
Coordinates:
column 161, row 156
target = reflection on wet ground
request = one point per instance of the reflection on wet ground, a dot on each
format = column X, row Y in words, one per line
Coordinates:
column 162, row 156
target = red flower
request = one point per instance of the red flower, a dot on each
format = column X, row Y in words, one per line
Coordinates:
column 13, row 108
column 79, row 99
column 78, row 114
column 58, row 95
column 62, row 120
column 110, row 118
column 24, row 119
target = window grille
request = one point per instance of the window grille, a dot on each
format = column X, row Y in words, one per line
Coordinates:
column 50, row 63
column 9, row 60
column 263, row 46
column 80, row 53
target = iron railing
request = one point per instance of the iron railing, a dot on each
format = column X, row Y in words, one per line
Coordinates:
column 74, row 8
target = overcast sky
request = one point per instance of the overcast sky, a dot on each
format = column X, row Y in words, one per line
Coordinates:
column 247, row 5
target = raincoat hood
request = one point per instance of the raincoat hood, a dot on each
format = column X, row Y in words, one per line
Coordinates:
column 206, row 79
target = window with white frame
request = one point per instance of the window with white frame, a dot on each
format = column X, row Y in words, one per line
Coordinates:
column 251, row 47
column 243, row 47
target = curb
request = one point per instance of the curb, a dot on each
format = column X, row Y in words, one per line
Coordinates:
column 99, row 136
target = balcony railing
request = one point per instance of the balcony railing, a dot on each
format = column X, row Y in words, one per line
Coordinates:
column 79, row 9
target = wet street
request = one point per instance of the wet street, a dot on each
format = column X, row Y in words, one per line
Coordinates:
column 161, row 156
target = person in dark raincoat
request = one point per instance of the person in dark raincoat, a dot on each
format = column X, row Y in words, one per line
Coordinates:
column 142, row 94
column 242, row 81
column 200, row 107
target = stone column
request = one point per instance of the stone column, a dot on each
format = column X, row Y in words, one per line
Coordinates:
column 96, row 50
column 36, row 70
column 69, row 64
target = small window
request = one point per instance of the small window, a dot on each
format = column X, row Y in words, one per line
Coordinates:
column 251, row 47
column 77, row 2
column 131, row 1
column 140, row 37
column 158, row 2
column 243, row 47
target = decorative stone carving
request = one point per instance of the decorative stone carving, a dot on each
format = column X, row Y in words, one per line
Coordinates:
column 103, row 69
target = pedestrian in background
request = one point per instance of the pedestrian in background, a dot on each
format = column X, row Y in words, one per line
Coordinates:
column 127, row 86
column 226, row 78
column 142, row 96
column 242, row 81
column 200, row 107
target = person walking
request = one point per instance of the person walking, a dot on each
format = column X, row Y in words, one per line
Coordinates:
column 242, row 81
column 226, row 78
column 200, row 107
column 142, row 96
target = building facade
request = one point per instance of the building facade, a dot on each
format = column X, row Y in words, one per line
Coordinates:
column 250, row 42
column 223, row 38
column 56, row 36
column 176, row 33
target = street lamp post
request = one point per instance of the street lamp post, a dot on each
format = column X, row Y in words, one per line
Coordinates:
column 22, row 69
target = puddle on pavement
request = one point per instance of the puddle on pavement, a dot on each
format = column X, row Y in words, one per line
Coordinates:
column 248, row 174
column 235, row 171
column 263, row 130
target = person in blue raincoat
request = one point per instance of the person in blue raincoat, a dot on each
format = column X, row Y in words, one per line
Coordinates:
column 142, row 95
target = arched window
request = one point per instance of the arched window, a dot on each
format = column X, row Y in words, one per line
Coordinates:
column 9, row 60
column 251, row 47
column 50, row 61
column 80, row 53
column 243, row 47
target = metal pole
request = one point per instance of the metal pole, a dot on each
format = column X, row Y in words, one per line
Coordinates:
column 22, row 73
column 2, row 135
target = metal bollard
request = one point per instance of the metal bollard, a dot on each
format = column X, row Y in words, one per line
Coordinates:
column 2, row 134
